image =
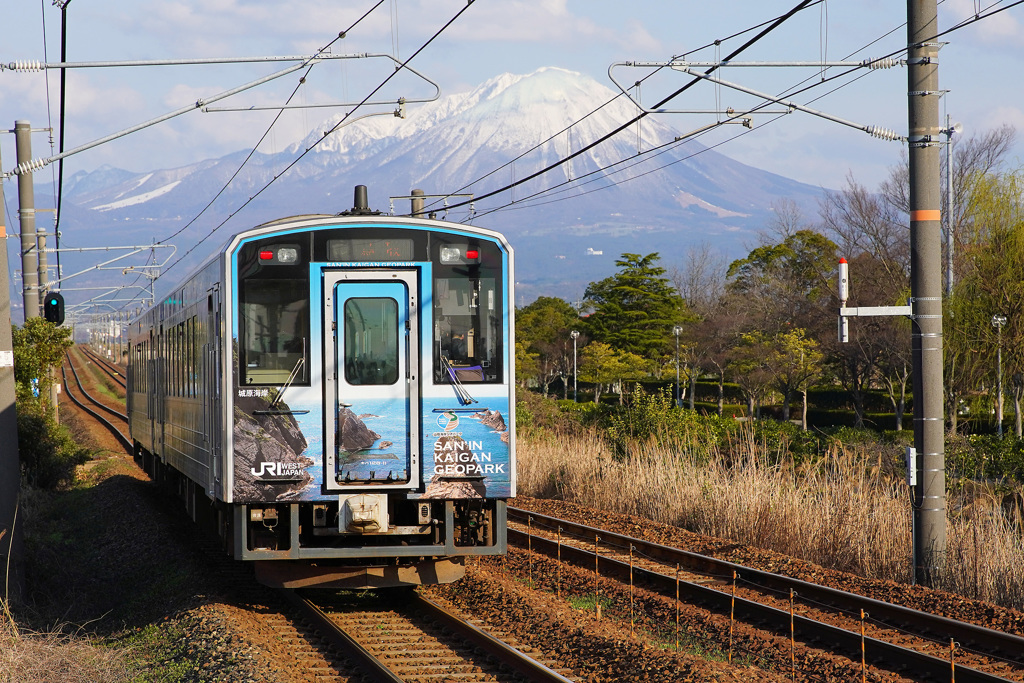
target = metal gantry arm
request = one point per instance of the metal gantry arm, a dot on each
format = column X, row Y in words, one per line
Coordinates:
column 861, row 311
column 105, row 265
column 35, row 65
column 36, row 164
column 875, row 131
column 401, row 101
column 685, row 67
column 202, row 104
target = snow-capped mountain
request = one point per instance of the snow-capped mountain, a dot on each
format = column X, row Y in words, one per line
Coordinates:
column 568, row 224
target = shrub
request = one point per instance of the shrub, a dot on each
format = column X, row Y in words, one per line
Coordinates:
column 653, row 417
column 48, row 453
column 985, row 456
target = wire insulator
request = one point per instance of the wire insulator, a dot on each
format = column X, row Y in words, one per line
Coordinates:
column 884, row 63
column 26, row 65
column 29, row 166
column 883, row 133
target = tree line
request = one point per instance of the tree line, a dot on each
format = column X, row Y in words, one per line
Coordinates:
column 767, row 322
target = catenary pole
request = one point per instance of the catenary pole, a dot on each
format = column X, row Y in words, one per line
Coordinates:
column 27, row 221
column 10, row 466
column 926, row 289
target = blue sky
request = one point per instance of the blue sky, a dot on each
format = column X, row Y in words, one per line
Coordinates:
column 981, row 67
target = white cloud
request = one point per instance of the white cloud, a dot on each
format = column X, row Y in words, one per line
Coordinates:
column 1002, row 28
column 1003, row 115
column 230, row 27
column 223, row 132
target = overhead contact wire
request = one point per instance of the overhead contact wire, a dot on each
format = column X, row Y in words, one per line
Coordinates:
column 323, row 137
column 255, row 147
column 788, row 93
column 775, row 24
column 771, row 25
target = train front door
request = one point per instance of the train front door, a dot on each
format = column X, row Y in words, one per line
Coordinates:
column 371, row 376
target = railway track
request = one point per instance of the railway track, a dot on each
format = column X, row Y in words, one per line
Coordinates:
column 403, row 636
column 330, row 636
column 410, row 642
column 111, row 370
column 97, row 409
column 881, row 634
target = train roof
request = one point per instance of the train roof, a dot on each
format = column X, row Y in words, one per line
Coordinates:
column 308, row 221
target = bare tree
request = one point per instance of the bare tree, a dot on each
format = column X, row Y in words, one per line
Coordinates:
column 701, row 283
column 863, row 222
column 786, row 221
column 701, row 279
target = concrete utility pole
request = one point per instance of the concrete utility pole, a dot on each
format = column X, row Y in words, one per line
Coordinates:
column 33, row 261
column 10, row 465
column 926, row 289
column 27, row 219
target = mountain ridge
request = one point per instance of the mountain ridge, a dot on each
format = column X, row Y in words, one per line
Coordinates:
column 476, row 141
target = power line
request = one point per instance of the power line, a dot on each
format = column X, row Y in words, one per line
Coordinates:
column 263, row 137
column 771, row 26
column 774, row 24
column 605, row 104
column 788, row 93
column 323, row 137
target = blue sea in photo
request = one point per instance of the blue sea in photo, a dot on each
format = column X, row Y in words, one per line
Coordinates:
column 379, row 416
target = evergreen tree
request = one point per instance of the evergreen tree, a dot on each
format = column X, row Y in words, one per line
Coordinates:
column 635, row 310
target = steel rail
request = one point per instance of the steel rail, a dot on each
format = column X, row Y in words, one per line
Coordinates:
column 106, row 366
column 508, row 655
column 88, row 396
column 981, row 639
column 125, row 441
column 345, row 643
column 504, row 653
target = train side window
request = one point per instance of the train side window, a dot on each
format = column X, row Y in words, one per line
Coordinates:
column 274, row 331
column 371, row 341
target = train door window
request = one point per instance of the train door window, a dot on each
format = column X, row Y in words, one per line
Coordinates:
column 180, row 359
column 371, row 341
column 275, row 331
column 190, row 355
column 194, row 369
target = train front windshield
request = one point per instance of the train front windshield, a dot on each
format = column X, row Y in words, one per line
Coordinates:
column 274, row 306
column 274, row 314
column 467, row 312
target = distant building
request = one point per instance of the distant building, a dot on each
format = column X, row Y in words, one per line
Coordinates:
column 594, row 252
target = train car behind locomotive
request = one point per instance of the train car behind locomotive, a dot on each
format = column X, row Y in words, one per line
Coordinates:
column 333, row 394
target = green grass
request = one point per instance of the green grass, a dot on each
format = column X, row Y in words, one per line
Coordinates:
column 160, row 654
column 588, row 602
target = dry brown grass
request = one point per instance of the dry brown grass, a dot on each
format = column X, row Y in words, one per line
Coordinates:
column 985, row 553
column 847, row 512
column 29, row 657
column 50, row 657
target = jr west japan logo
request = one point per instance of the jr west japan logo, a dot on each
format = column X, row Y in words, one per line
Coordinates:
column 278, row 470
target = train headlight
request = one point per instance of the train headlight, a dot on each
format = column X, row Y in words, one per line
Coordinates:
column 281, row 255
column 451, row 254
column 460, row 253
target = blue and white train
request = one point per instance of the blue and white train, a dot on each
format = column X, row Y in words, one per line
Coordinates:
column 334, row 395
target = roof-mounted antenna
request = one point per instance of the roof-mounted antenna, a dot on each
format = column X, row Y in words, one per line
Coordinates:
column 361, row 204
